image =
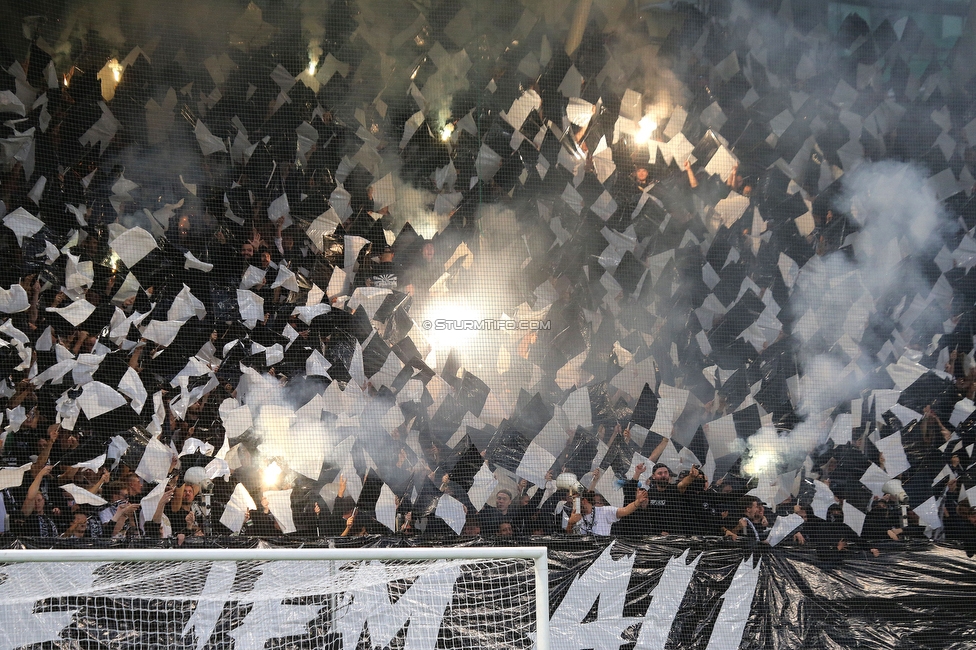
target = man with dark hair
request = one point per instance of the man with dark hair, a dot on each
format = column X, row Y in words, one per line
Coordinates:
column 472, row 527
column 663, row 503
column 752, row 526
column 492, row 517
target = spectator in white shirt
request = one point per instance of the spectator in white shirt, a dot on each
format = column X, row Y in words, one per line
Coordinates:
column 597, row 520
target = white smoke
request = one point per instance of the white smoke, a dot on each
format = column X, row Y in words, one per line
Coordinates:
column 304, row 431
column 313, row 31
column 899, row 218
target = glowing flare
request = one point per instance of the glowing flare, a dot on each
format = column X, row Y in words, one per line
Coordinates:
column 451, row 326
column 647, row 127
column 271, row 474
column 110, row 75
column 116, row 70
column 447, row 132
column 762, row 462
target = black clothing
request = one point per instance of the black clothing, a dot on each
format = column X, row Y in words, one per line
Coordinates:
column 663, row 511
column 261, row 524
column 324, row 524
column 958, row 529
column 753, row 533
column 35, row 525
column 635, row 524
column 383, row 275
column 697, row 516
column 491, row 518
column 879, row 521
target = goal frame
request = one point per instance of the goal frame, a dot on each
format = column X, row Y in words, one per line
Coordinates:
column 538, row 554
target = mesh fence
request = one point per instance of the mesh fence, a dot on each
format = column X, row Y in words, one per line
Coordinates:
column 450, row 270
column 197, row 604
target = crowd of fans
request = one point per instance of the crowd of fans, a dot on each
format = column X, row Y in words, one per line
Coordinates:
column 230, row 224
column 658, row 503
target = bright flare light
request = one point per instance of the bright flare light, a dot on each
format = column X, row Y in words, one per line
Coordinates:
column 447, row 132
column 311, row 68
column 116, row 68
column 271, row 474
column 451, row 326
column 647, row 127
column 762, row 462
column 110, row 75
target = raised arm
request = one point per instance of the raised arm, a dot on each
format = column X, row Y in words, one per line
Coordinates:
column 24, row 388
column 691, row 175
column 124, row 512
column 161, row 506
column 177, row 503
column 597, row 473
column 686, row 482
column 661, row 446
column 733, row 179
column 33, row 490
column 639, row 471
column 349, row 523
column 633, row 505
column 103, row 478
column 573, row 518
column 46, row 445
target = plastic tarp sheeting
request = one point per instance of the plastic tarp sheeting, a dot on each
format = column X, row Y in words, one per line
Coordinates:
column 662, row 593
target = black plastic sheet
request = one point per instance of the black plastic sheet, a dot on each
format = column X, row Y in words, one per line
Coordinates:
column 688, row 592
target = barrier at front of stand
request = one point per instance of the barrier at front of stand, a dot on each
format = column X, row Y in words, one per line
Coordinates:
column 659, row 593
